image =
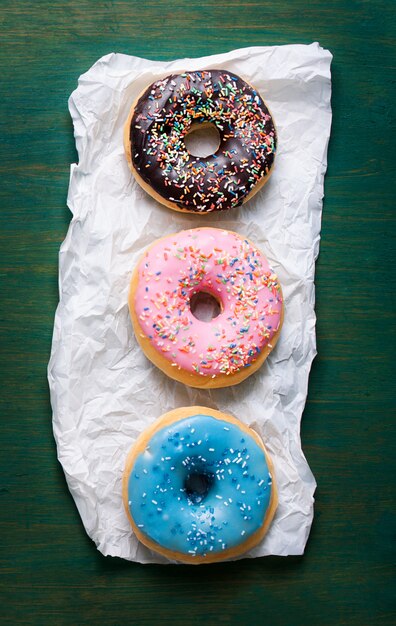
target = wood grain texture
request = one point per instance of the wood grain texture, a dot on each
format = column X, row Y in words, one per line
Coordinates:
column 50, row 571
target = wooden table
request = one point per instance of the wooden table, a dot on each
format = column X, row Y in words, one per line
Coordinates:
column 51, row 572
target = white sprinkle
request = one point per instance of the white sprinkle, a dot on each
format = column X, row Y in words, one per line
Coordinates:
column 154, row 501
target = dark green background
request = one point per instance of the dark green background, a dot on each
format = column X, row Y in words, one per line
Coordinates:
column 51, row 572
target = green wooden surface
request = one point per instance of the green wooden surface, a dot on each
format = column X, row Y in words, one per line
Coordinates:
column 51, row 573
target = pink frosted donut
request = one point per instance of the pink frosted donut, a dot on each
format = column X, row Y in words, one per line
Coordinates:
column 231, row 346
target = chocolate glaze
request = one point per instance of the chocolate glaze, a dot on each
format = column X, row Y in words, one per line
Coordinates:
column 165, row 113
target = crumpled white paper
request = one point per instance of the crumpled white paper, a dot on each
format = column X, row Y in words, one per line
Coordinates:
column 104, row 391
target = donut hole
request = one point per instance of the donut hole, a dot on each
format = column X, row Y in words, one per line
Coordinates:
column 202, row 140
column 204, row 306
column 197, row 485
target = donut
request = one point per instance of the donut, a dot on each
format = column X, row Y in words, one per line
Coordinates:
column 199, row 486
column 228, row 267
column 175, row 106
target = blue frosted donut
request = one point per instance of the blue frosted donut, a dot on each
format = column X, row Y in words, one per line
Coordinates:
column 198, row 486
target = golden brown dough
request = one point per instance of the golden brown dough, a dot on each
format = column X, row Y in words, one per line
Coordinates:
column 169, row 109
column 142, row 445
column 219, row 244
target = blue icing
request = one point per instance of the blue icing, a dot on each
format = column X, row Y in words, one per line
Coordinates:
column 202, row 485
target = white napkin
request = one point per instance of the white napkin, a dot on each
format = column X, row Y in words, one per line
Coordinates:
column 104, row 391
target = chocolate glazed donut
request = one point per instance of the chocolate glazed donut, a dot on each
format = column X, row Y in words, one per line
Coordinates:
column 166, row 113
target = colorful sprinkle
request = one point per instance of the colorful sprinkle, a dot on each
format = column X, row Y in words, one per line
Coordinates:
column 230, row 268
column 165, row 114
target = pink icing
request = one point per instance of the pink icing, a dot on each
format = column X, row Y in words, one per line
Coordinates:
column 228, row 267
